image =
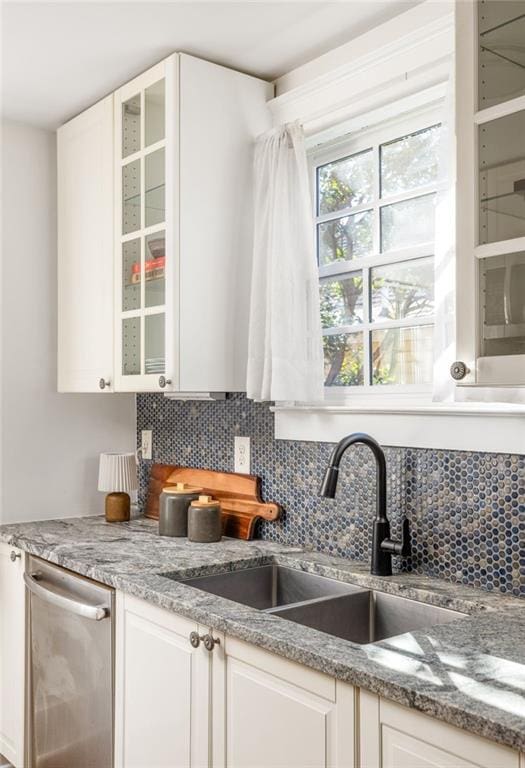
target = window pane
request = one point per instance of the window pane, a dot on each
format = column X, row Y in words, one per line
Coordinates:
column 502, row 178
column 343, row 359
column 345, row 239
column 342, row 301
column 402, row 290
column 408, row 223
column 345, row 183
column 402, row 355
column 409, row 162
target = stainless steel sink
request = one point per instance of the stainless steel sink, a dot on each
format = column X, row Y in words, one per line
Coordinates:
column 368, row 616
column 335, row 607
column 268, row 586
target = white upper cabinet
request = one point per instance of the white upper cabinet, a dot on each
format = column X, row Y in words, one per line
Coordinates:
column 490, row 77
column 184, row 137
column 155, row 232
column 85, row 251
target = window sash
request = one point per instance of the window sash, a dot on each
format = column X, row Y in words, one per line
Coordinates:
column 372, row 140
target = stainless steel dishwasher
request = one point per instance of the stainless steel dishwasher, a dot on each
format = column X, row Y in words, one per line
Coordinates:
column 70, row 681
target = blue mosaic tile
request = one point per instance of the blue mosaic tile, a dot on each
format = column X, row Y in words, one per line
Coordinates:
column 466, row 510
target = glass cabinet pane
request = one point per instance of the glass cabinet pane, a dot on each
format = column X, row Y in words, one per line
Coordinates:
column 131, row 275
column 131, row 346
column 502, row 178
column 154, row 113
column 502, row 299
column 402, row 355
column 131, row 197
column 154, row 354
column 131, row 126
column 501, row 51
column 154, row 172
column 154, row 266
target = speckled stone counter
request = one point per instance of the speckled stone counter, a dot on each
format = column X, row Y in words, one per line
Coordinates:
column 470, row 672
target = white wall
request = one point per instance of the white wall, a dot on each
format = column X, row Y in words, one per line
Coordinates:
column 49, row 442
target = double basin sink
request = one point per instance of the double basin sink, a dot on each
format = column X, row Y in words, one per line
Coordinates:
column 335, row 607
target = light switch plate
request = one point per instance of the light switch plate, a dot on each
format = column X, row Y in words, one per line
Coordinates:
column 242, row 455
column 147, row 443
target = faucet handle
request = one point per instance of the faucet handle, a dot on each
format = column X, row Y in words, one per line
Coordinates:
column 399, row 547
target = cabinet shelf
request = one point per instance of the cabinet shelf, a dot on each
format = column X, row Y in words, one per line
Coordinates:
column 501, row 57
column 505, row 41
column 511, row 204
column 134, row 200
column 504, row 24
column 148, row 279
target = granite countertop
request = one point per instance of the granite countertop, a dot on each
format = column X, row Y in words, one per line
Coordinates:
column 470, row 672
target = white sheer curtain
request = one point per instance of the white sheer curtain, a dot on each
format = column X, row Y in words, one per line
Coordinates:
column 285, row 354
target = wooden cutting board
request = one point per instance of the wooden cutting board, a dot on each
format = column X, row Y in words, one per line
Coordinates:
column 240, row 496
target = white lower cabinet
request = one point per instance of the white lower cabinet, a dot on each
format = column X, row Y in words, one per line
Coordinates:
column 12, row 654
column 183, row 707
column 269, row 712
column 239, row 706
column 392, row 736
column 162, row 684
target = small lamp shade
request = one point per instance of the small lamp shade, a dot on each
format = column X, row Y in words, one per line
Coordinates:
column 117, row 472
column 117, row 475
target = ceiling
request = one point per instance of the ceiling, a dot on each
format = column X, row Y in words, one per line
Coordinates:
column 58, row 58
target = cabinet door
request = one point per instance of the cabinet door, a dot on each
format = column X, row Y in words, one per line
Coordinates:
column 12, row 654
column 490, row 248
column 393, row 736
column 146, row 279
column 269, row 712
column 162, row 690
column 85, row 251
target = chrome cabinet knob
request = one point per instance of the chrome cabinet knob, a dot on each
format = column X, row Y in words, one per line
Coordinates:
column 163, row 381
column 210, row 642
column 14, row 556
column 195, row 639
column 458, row 370
column 103, row 383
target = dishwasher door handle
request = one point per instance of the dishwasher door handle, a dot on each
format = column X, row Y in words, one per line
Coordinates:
column 95, row 612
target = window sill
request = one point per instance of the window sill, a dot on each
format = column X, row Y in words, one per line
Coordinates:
column 484, row 427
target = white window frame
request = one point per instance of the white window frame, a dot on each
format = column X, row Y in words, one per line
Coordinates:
column 373, row 138
column 396, row 67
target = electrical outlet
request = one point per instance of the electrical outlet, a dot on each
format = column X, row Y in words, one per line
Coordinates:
column 242, row 455
column 147, row 443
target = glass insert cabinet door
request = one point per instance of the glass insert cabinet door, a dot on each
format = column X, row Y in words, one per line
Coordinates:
column 144, row 262
column 491, row 192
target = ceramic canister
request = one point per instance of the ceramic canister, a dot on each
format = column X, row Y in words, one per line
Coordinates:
column 204, row 520
column 173, row 508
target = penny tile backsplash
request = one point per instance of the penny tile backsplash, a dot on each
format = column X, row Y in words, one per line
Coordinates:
column 466, row 510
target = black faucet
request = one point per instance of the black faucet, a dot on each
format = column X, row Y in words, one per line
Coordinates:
column 383, row 547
